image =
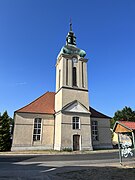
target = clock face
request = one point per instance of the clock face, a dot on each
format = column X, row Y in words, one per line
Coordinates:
column 75, row 60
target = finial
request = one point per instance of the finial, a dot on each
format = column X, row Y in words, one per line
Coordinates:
column 71, row 39
column 70, row 24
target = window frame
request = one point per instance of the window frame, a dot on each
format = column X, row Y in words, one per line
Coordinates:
column 37, row 129
column 75, row 123
column 95, row 135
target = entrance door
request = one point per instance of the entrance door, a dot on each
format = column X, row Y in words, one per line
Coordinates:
column 76, row 145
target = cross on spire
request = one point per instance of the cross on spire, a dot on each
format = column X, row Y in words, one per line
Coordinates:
column 70, row 24
column 71, row 39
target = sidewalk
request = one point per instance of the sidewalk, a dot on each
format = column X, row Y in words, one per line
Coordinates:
column 53, row 152
column 129, row 164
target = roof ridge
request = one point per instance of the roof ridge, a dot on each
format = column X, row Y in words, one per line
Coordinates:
column 126, row 121
column 98, row 112
column 127, row 124
column 34, row 101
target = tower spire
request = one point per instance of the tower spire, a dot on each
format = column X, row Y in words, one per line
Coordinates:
column 71, row 39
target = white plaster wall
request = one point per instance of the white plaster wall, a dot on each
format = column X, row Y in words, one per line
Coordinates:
column 58, row 101
column 57, row 141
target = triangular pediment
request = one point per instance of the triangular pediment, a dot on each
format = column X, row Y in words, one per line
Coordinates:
column 75, row 107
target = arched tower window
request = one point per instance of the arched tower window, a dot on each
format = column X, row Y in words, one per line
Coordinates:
column 67, row 72
column 83, row 74
column 74, row 77
column 59, row 77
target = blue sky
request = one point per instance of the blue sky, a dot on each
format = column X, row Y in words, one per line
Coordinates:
column 32, row 33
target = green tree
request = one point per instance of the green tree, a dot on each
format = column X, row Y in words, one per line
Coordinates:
column 5, row 135
column 126, row 114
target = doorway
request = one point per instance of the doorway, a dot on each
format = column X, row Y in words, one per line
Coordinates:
column 76, row 142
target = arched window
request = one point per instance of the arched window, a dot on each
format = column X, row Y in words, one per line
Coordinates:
column 74, row 77
column 37, row 129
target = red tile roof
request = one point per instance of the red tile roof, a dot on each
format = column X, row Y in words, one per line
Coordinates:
column 128, row 124
column 43, row 104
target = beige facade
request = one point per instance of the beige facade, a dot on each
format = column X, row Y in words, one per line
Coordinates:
column 84, row 132
column 104, row 134
column 23, row 132
column 64, row 66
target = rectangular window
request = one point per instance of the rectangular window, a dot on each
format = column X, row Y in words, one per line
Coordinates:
column 37, row 129
column 76, row 123
column 95, row 131
column 67, row 72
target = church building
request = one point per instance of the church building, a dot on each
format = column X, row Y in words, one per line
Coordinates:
column 63, row 119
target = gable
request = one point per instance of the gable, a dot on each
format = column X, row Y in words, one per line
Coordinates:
column 124, row 126
column 75, row 107
column 120, row 128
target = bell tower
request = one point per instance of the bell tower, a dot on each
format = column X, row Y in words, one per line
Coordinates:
column 71, row 99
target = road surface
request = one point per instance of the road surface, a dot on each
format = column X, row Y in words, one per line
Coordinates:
column 23, row 167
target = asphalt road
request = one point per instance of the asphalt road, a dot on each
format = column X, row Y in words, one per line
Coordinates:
column 46, row 167
column 68, row 157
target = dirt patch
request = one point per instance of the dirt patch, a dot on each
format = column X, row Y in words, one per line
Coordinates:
column 99, row 173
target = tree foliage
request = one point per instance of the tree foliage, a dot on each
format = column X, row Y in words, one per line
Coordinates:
column 126, row 114
column 5, row 134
